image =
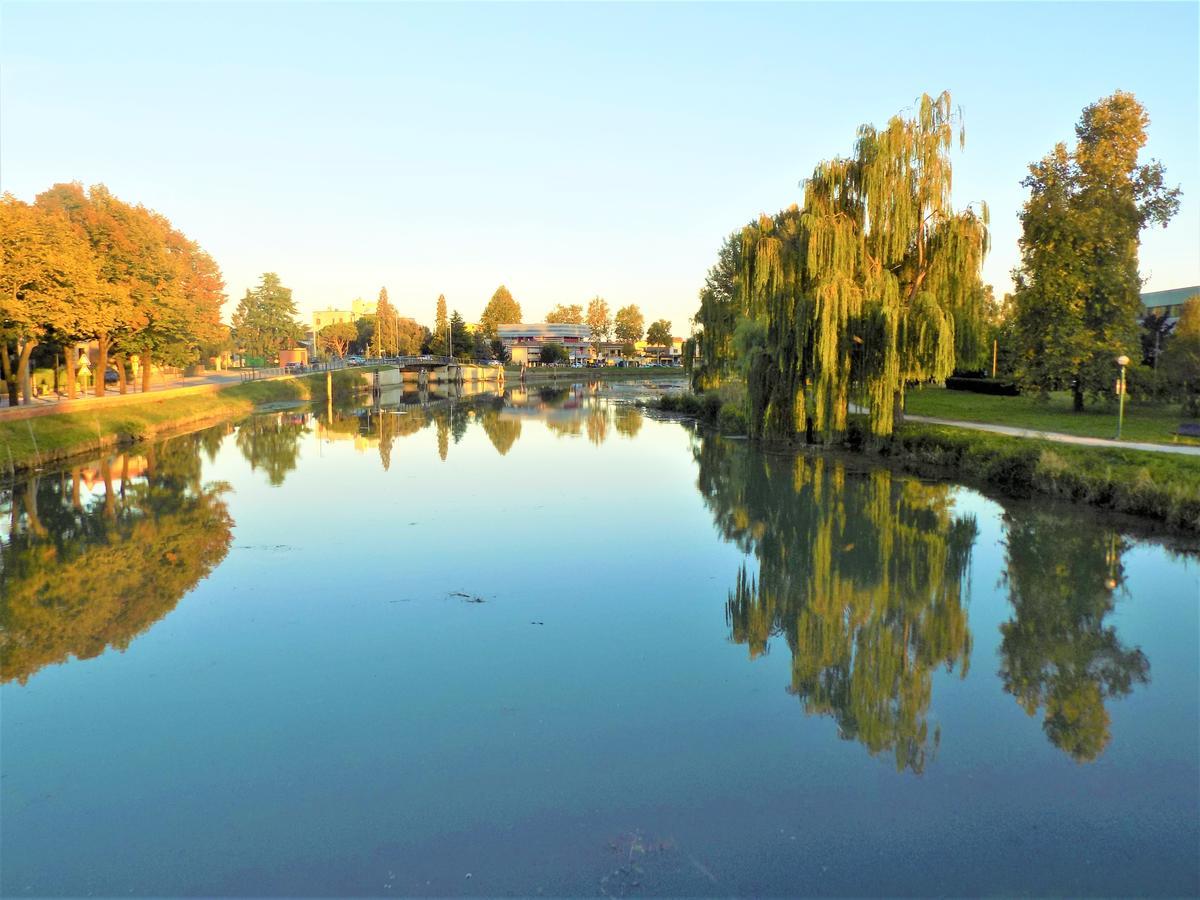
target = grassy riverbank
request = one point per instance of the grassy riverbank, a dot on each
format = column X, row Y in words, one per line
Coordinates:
column 1153, row 423
column 1160, row 486
column 28, row 443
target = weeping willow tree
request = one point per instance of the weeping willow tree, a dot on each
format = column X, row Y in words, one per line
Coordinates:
column 873, row 282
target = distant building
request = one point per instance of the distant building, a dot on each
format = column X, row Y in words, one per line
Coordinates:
column 1169, row 303
column 664, row 355
column 524, row 342
column 331, row 316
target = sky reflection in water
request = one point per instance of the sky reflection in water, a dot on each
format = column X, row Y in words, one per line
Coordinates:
column 245, row 661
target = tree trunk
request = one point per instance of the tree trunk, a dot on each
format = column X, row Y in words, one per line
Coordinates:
column 10, row 379
column 26, row 349
column 122, row 373
column 57, row 374
column 69, row 358
column 145, row 370
column 110, row 506
column 897, row 408
column 1077, row 393
column 102, row 343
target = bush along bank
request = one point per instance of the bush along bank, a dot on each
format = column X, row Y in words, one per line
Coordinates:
column 1159, row 486
column 719, row 409
column 30, row 443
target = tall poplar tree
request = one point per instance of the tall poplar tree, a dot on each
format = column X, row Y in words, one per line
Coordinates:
column 1077, row 288
column 439, row 343
column 386, row 339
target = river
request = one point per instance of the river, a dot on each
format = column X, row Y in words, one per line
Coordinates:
column 550, row 644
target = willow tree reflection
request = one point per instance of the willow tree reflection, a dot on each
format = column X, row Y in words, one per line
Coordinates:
column 97, row 555
column 1057, row 655
column 271, row 442
column 862, row 575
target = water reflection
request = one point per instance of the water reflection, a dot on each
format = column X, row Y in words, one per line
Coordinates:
column 862, row 576
column 1057, row 654
column 272, row 442
column 96, row 554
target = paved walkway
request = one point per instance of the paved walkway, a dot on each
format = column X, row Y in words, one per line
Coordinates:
column 47, row 405
column 1058, row 436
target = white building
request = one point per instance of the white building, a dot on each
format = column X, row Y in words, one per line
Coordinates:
column 524, row 342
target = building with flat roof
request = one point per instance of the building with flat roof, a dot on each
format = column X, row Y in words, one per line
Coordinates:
column 524, row 342
column 1169, row 303
column 331, row 316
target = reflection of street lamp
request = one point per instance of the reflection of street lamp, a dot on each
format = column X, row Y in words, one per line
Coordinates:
column 1122, row 361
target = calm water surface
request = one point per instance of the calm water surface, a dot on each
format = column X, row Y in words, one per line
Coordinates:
column 548, row 644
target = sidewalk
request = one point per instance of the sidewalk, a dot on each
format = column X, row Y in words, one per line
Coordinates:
column 1059, row 437
column 42, row 406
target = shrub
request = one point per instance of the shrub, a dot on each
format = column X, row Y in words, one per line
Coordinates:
column 996, row 386
column 731, row 419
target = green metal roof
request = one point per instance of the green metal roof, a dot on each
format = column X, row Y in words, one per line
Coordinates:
column 1173, row 297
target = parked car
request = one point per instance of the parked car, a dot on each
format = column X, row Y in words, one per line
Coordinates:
column 111, row 376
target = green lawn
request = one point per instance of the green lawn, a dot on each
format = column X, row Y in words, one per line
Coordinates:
column 1143, row 422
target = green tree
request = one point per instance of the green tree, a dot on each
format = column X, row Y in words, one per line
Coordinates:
column 1077, row 287
column 599, row 319
column 463, row 340
column 1181, row 360
column 265, row 319
column 553, row 354
column 502, row 309
column 499, row 351
column 337, row 338
column 365, row 326
column 409, row 336
column 385, row 340
column 659, row 333
column 721, row 306
column 438, row 341
column 566, row 315
column 629, row 326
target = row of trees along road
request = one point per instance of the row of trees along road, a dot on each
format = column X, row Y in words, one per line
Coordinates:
column 628, row 326
column 874, row 283
column 85, row 266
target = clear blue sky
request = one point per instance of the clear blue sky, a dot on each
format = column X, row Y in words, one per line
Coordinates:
column 562, row 150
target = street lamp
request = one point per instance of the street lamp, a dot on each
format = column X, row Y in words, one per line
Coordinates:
column 1122, row 361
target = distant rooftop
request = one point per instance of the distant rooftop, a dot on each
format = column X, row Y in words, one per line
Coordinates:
column 1173, row 297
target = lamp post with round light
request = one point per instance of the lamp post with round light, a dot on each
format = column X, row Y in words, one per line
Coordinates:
column 1122, row 361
